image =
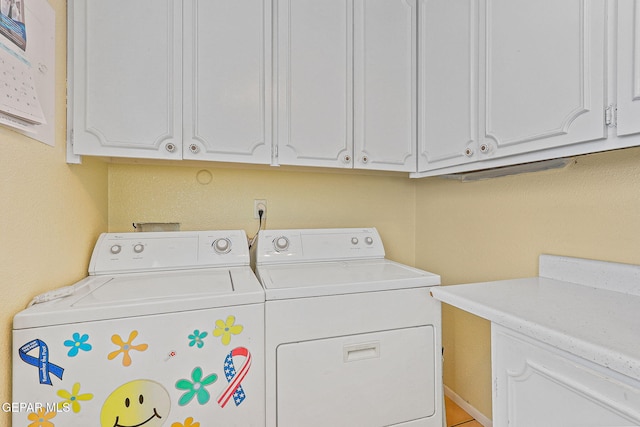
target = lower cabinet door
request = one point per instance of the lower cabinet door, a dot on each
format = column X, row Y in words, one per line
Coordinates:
column 375, row 379
column 538, row 385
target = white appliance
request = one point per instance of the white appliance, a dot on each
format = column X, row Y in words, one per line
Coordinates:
column 167, row 330
column 352, row 339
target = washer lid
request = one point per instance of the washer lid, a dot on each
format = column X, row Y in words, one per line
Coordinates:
column 138, row 294
column 300, row 280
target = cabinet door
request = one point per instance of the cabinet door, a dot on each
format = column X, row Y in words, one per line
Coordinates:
column 448, row 83
column 543, row 74
column 628, row 67
column 227, row 80
column 127, row 78
column 538, row 385
column 315, row 89
column 385, row 52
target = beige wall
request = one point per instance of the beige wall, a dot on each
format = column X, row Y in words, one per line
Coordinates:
column 495, row 229
column 50, row 217
column 310, row 199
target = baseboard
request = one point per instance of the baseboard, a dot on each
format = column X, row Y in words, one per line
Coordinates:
column 481, row 418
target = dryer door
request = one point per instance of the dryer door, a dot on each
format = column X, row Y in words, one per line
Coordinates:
column 375, row 379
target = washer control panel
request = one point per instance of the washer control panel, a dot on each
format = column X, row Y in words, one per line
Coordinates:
column 174, row 250
column 306, row 245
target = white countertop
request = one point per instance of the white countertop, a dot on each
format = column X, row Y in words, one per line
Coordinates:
column 595, row 323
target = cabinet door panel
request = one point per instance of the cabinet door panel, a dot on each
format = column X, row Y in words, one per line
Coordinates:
column 385, row 84
column 628, row 67
column 315, row 68
column 537, row 385
column 448, row 76
column 227, row 75
column 127, row 78
column 544, row 74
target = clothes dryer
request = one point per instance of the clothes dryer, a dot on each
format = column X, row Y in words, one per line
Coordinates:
column 352, row 338
column 168, row 330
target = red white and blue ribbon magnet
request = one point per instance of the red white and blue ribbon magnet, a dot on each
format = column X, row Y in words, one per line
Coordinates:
column 41, row 362
column 235, row 377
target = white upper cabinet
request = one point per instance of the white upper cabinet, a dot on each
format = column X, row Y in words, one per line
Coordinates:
column 141, row 90
column 385, row 92
column 127, row 78
column 503, row 78
column 628, row 120
column 448, row 82
column 315, row 84
column 227, row 80
column 544, row 74
column 347, row 83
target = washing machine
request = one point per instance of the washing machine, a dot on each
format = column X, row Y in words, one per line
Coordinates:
column 352, row 338
column 167, row 330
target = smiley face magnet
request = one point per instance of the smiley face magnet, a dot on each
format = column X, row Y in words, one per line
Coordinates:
column 136, row 403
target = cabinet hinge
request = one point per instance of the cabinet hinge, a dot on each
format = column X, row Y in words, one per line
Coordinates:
column 610, row 115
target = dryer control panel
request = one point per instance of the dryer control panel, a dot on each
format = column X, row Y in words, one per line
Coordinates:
column 173, row 250
column 325, row 244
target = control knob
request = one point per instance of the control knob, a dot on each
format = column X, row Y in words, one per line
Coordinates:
column 281, row 243
column 368, row 240
column 138, row 248
column 115, row 249
column 222, row 246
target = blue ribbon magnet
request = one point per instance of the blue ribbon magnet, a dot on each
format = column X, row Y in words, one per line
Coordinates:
column 41, row 362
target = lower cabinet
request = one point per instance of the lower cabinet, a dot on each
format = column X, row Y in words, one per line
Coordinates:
column 539, row 385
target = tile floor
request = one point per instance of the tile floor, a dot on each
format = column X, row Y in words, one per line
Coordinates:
column 457, row 417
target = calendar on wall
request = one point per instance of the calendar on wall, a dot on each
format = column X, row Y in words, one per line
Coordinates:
column 18, row 94
column 27, row 57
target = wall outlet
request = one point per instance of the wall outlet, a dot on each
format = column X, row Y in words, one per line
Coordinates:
column 259, row 204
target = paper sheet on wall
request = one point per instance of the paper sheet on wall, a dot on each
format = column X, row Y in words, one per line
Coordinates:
column 27, row 77
column 16, row 123
column 18, row 95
